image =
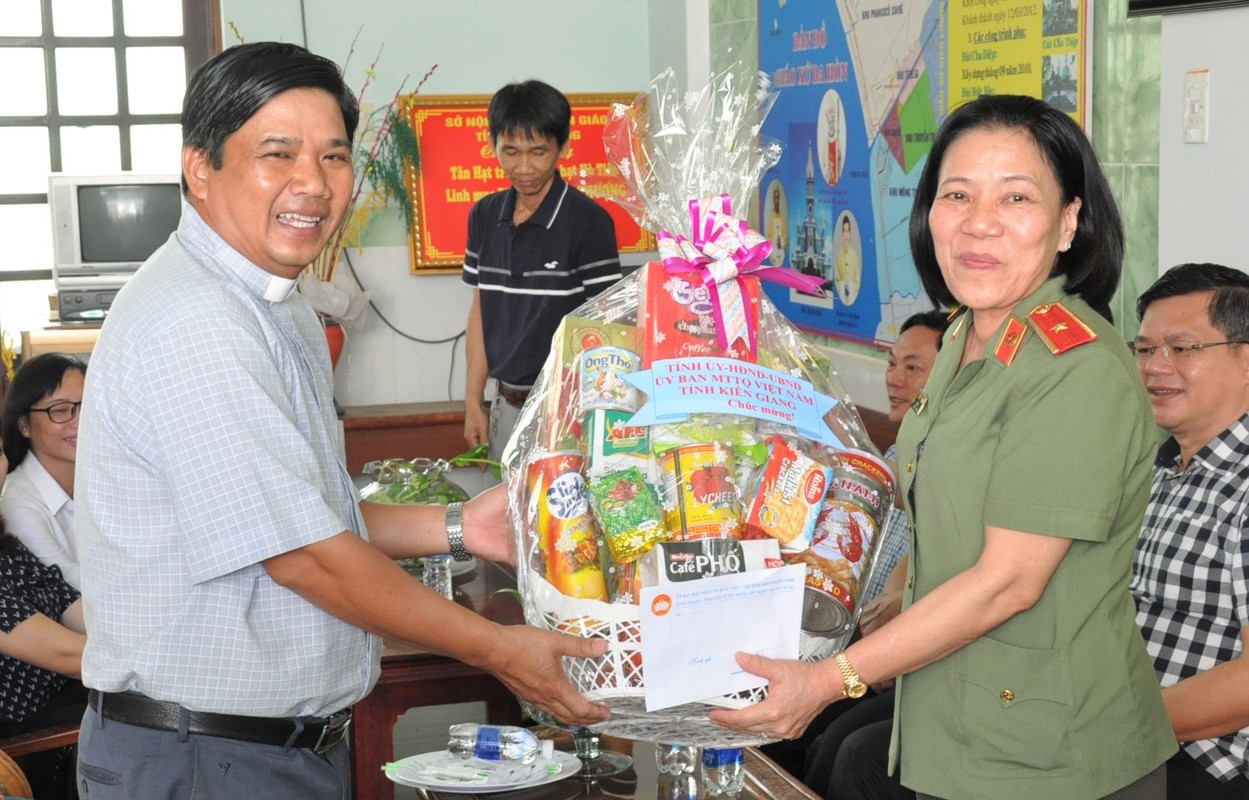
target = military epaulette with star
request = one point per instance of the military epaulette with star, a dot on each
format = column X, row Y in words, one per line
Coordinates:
column 1059, row 328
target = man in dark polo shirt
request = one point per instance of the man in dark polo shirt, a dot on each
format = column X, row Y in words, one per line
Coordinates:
column 535, row 252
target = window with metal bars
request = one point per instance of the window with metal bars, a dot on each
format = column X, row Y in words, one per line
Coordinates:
column 86, row 87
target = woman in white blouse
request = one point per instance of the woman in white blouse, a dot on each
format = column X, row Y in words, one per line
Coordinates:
column 39, row 427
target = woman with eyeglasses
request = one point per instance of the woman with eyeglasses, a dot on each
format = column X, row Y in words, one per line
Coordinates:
column 42, row 636
column 39, row 426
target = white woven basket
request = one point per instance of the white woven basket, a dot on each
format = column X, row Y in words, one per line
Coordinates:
column 545, row 427
column 615, row 679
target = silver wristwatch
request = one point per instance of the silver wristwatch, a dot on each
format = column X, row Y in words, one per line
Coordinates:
column 455, row 532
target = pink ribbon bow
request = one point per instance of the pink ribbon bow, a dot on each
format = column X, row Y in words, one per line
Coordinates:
column 724, row 250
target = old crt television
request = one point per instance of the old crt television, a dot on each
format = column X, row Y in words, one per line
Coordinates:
column 103, row 228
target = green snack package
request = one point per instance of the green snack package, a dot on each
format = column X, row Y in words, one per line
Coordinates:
column 628, row 512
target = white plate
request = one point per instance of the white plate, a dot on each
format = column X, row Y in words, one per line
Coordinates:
column 445, row 772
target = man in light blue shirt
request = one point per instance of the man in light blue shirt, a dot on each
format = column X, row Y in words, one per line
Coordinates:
column 233, row 597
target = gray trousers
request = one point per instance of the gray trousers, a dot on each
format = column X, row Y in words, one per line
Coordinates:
column 124, row 762
column 503, row 417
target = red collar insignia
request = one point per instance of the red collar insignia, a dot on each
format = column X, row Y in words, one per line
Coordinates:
column 1011, row 340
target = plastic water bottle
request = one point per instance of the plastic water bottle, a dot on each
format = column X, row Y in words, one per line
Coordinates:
column 723, row 771
column 675, row 759
column 494, row 742
column 437, row 575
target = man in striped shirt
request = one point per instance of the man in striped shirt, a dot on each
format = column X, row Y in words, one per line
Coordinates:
column 536, row 251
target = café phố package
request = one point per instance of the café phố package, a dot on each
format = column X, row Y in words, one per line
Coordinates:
column 662, row 401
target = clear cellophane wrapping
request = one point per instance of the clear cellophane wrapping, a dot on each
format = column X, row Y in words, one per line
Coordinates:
column 554, row 427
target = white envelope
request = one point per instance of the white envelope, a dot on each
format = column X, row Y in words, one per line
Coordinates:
column 691, row 632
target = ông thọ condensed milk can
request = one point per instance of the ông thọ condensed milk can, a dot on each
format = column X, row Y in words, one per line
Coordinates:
column 602, row 380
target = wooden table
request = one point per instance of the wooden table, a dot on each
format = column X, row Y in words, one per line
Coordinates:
column 402, row 430
column 765, row 780
column 412, row 678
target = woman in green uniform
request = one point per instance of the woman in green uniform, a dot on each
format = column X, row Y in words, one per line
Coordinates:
column 1025, row 465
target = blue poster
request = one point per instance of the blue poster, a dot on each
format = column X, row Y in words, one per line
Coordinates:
column 863, row 86
column 856, row 117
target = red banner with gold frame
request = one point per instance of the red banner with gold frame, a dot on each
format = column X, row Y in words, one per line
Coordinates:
column 458, row 167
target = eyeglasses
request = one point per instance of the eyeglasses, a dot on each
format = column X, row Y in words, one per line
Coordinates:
column 60, row 413
column 1173, row 351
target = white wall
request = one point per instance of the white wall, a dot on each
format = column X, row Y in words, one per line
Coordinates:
column 576, row 45
column 680, row 37
column 667, row 34
column 478, row 45
column 1203, row 203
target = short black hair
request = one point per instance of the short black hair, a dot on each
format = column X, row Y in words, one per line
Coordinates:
column 531, row 107
column 1094, row 263
column 1229, row 302
column 8, row 542
column 936, row 320
column 34, row 380
column 228, row 90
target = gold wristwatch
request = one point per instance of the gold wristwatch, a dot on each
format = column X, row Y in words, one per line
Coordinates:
column 855, row 687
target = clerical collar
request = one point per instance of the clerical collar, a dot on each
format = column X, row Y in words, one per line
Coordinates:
column 278, row 288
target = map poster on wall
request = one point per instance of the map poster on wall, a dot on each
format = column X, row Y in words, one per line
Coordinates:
column 458, row 167
column 863, row 86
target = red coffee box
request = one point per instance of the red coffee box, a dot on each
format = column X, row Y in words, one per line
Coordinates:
column 678, row 318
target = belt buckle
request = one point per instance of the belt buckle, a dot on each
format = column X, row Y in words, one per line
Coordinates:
column 333, row 732
column 514, row 397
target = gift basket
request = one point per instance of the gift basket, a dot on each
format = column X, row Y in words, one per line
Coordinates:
column 682, row 427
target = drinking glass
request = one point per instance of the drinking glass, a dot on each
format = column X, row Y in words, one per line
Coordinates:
column 676, row 759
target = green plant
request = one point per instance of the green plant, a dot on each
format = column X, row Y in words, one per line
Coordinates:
column 385, row 149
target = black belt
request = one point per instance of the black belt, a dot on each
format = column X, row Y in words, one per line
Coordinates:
column 513, row 395
column 318, row 734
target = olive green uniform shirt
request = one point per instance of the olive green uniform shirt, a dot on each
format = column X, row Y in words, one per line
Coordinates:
column 1061, row 700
